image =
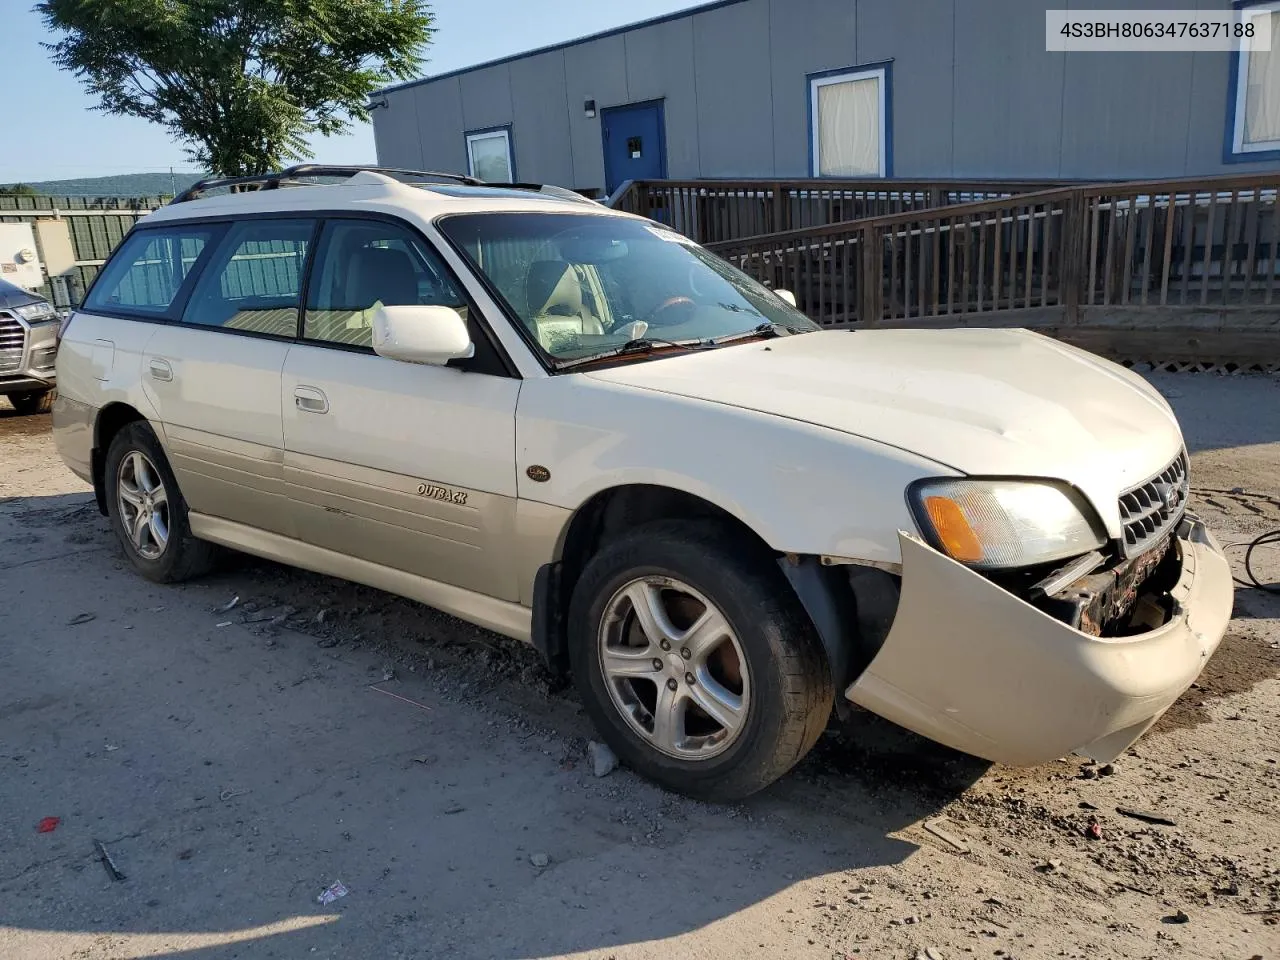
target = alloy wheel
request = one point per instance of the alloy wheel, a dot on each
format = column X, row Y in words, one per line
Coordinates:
column 144, row 505
column 674, row 668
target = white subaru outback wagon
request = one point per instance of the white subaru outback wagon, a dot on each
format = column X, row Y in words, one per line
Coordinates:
column 582, row 430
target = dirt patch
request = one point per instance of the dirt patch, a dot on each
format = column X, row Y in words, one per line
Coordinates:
column 1247, row 656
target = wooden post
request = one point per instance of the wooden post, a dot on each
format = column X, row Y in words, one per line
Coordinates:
column 781, row 210
column 869, row 279
column 1071, row 255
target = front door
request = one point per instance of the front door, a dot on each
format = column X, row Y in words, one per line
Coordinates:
column 405, row 465
column 635, row 143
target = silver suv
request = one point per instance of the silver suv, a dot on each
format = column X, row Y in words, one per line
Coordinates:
column 28, row 348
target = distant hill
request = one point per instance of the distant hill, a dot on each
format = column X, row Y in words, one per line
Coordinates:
column 122, row 185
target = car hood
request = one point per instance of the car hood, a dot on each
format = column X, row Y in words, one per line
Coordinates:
column 14, row 296
column 982, row 401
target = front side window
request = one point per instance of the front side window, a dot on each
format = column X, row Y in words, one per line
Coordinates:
column 584, row 285
column 147, row 272
column 1257, row 108
column 489, row 156
column 362, row 265
column 847, row 117
column 254, row 279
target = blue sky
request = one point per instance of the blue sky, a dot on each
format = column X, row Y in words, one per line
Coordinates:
column 50, row 132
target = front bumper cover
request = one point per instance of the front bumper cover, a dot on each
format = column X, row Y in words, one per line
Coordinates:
column 974, row 667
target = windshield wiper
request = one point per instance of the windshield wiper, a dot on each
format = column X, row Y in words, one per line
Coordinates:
column 768, row 329
column 643, row 345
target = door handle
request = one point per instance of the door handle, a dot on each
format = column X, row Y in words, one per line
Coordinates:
column 310, row 400
column 160, row 369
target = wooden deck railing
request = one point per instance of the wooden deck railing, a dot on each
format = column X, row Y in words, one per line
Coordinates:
column 713, row 211
column 1181, row 243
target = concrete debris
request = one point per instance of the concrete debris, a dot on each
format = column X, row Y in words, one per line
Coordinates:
column 603, row 760
column 110, row 865
column 229, row 605
column 539, row 860
column 80, row 618
column 334, row 892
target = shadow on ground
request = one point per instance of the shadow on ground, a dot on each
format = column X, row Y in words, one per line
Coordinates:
column 235, row 769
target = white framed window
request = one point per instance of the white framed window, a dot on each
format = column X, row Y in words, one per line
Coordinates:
column 849, row 123
column 1257, row 104
column 489, row 155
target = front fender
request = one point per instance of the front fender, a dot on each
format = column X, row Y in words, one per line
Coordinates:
column 804, row 489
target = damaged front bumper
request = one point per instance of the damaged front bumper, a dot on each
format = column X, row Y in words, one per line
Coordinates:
column 972, row 666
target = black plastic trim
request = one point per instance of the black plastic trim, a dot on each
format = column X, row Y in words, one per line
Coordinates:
column 548, row 627
column 825, row 594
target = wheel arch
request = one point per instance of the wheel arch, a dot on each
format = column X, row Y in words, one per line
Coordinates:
column 111, row 419
column 850, row 607
column 603, row 516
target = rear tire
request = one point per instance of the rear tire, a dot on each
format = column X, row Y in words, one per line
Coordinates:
column 33, row 402
column 759, row 669
column 147, row 510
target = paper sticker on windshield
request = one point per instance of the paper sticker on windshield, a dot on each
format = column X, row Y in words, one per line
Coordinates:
column 669, row 235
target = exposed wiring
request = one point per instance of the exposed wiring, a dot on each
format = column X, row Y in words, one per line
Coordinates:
column 1271, row 538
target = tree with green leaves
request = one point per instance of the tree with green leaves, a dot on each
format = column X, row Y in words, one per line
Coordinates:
column 18, row 190
column 242, row 83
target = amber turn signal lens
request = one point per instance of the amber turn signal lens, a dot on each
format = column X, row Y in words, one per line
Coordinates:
column 953, row 530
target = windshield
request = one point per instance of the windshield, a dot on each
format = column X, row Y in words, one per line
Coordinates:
column 585, row 285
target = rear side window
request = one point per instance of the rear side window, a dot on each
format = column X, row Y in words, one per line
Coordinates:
column 253, row 281
column 147, row 272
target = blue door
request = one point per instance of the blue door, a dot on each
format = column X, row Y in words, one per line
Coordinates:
column 635, row 143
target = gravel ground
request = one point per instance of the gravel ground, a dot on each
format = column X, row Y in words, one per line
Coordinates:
column 235, row 761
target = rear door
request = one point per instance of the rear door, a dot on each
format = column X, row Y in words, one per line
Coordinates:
column 214, row 377
column 405, row 465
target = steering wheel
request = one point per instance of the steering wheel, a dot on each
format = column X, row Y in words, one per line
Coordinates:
column 671, row 303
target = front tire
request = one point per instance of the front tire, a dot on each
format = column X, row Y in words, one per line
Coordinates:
column 695, row 660
column 147, row 510
column 33, row 402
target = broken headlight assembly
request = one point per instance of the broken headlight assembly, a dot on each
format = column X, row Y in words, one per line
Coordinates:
column 997, row 524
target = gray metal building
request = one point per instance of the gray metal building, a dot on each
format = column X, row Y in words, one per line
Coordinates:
column 922, row 89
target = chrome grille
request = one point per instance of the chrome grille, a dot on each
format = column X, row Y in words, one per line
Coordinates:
column 13, row 337
column 1151, row 510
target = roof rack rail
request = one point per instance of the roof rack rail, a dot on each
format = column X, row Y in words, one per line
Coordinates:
column 271, row 181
